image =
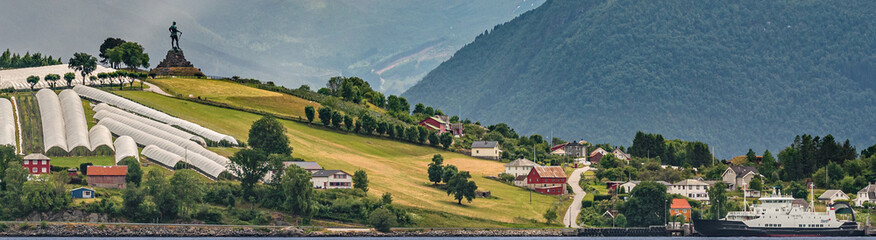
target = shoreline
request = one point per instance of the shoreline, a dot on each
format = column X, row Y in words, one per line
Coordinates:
column 137, row 230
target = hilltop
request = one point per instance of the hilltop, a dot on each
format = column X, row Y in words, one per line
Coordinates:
column 736, row 75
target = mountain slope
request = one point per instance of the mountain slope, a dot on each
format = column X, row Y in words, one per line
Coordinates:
column 394, row 167
column 390, row 43
column 746, row 74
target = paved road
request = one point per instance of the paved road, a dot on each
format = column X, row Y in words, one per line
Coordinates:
column 571, row 217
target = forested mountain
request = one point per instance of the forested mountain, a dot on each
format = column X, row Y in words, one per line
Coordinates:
column 733, row 74
column 392, row 44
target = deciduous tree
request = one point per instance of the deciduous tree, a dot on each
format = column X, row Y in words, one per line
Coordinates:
column 250, row 166
column 269, row 136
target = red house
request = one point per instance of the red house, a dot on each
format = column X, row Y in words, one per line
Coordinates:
column 37, row 164
column 547, row 180
column 436, row 123
column 107, row 176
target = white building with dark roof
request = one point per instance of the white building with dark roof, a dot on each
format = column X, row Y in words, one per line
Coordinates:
column 690, row 188
column 866, row 194
column 486, row 149
column 520, row 167
column 331, row 179
column 737, row 176
column 832, row 195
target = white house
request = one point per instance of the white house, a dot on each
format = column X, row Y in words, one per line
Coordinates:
column 628, row 186
column 867, row 194
column 331, row 179
column 621, row 155
column 519, row 167
column 831, row 195
column 690, row 188
column 737, row 176
column 486, row 149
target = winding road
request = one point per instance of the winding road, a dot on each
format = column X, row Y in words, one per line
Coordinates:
column 571, row 217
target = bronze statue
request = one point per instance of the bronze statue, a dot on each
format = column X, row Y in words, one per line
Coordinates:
column 174, row 36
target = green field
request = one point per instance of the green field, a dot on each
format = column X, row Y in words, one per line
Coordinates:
column 394, row 167
column 73, row 162
column 237, row 95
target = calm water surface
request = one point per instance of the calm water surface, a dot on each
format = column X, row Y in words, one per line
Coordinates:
column 477, row 238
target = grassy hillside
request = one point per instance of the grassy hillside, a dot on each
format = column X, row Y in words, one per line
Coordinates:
column 393, row 167
column 236, row 95
column 734, row 74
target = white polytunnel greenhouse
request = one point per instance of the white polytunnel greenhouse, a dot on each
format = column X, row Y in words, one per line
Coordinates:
column 125, row 148
column 200, row 162
column 54, row 135
column 185, row 143
column 161, row 156
column 74, row 123
column 131, row 106
column 7, row 123
column 156, row 124
column 101, row 141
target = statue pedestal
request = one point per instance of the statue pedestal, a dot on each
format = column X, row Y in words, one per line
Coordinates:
column 175, row 64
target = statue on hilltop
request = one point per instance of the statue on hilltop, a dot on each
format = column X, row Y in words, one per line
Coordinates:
column 174, row 36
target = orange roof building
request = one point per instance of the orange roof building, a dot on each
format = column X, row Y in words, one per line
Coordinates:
column 107, row 176
column 680, row 206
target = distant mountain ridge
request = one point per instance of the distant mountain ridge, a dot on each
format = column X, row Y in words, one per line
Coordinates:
column 287, row 42
column 735, row 75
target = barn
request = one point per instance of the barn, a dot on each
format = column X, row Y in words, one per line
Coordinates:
column 107, row 176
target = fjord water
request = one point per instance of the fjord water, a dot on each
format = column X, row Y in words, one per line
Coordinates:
column 436, row 238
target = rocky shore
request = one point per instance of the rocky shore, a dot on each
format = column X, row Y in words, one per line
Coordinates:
column 113, row 230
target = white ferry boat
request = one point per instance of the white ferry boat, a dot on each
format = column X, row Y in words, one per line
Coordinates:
column 778, row 216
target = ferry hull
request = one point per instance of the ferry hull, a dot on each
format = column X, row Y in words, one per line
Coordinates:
column 722, row 228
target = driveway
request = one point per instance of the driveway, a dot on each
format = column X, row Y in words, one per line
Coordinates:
column 571, row 217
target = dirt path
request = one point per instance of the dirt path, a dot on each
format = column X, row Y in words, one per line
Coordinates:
column 571, row 217
column 155, row 89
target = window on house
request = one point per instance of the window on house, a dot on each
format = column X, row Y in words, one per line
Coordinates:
column 44, row 170
column 477, row 151
column 34, row 170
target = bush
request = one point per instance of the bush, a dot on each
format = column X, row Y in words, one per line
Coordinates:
column 382, row 220
column 3, row 227
column 586, row 204
column 208, row 215
column 601, row 197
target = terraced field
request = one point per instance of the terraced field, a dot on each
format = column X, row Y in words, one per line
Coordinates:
column 394, row 167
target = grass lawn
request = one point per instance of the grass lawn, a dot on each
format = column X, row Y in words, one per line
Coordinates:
column 394, row 167
column 238, row 95
column 73, row 162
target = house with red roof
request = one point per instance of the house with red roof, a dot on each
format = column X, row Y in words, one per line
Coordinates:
column 548, row 180
column 680, row 206
column 107, row 176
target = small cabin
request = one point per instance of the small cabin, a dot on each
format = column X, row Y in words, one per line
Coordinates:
column 83, row 193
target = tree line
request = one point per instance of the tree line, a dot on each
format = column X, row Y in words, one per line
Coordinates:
column 9, row 60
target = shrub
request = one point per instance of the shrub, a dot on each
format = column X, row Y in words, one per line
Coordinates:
column 3, row 227
column 601, row 197
column 382, row 220
column 208, row 215
column 586, row 204
column 23, row 226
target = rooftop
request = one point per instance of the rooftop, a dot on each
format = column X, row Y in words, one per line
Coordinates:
column 484, row 144
column 679, row 203
column 35, row 156
column 305, row 165
column 107, row 170
column 523, row 162
column 829, row 193
column 550, row 171
column 326, row 173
